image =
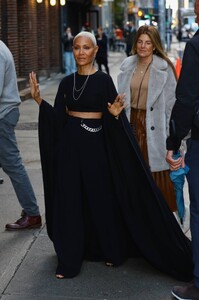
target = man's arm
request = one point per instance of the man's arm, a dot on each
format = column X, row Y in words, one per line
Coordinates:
column 187, row 93
column 2, row 74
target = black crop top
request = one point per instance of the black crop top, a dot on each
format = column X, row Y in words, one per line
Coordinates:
column 98, row 92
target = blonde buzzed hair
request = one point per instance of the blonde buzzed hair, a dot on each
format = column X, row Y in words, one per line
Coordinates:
column 87, row 34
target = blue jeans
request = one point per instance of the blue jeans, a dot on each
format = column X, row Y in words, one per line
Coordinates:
column 70, row 65
column 11, row 163
column 192, row 160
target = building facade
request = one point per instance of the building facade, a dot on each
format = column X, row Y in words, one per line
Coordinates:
column 33, row 31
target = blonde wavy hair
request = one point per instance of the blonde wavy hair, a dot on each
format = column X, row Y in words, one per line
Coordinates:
column 154, row 36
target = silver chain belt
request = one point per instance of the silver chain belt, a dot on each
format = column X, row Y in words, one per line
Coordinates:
column 90, row 129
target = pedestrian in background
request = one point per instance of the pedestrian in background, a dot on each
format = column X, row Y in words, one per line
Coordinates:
column 101, row 202
column 112, row 39
column 119, row 39
column 10, row 159
column 69, row 61
column 182, row 122
column 148, row 79
column 129, row 35
column 102, row 53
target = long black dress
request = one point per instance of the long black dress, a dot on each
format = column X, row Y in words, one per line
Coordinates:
column 140, row 220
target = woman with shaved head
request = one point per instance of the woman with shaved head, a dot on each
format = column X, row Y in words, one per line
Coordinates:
column 101, row 204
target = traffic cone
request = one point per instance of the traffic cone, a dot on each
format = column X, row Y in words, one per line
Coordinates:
column 178, row 66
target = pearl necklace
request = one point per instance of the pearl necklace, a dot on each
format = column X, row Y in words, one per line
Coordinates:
column 81, row 89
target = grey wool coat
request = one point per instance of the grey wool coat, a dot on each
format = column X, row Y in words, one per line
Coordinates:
column 160, row 101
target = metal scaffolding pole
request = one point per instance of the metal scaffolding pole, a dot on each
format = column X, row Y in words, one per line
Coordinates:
column 162, row 21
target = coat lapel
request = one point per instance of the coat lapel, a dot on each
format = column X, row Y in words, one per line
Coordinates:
column 157, row 80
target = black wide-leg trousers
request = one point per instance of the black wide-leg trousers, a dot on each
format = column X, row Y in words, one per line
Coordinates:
column 87, row 221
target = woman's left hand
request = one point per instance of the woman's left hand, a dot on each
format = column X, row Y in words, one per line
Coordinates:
column 117, row 106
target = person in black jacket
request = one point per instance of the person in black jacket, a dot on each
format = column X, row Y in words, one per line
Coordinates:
column 102, row 54
column 181, row 123
column 129, row 35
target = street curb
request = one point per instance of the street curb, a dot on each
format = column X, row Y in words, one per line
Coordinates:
column 17, row 260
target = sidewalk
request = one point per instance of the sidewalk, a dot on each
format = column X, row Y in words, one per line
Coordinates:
column 176, row 49
column 28, row 259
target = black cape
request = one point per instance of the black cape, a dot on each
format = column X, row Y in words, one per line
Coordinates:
column 152, row 226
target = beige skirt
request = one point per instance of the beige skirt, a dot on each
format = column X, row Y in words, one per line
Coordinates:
column 162, row 178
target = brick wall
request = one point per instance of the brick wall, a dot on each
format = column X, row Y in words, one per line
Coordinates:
column 43, row 37
column 3, row 20
column 12, row 31
column 33, row 32
column 55, row 39
column 27, row 16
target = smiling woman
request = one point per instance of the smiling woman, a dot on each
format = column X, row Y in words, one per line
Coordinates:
column 84, row 54
column 148, row 78
column 89, row 161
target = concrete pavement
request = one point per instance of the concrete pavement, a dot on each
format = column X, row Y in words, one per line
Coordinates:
column 28, row 259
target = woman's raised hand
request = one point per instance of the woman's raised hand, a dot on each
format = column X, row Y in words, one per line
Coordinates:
column 34, row 88
column 117, row 106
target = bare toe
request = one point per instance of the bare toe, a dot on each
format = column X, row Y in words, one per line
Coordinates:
column 109, row 264
column 59, row 276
